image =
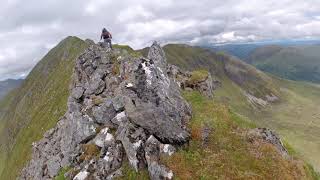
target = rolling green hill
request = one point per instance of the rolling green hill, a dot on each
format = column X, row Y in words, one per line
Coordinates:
column 41, row 100
column 301, row 63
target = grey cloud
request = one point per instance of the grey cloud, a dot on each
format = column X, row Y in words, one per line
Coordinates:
column 30, row 28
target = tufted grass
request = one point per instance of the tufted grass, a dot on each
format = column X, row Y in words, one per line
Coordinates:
column 130, row 174
column 89, row 151
column 62, row 171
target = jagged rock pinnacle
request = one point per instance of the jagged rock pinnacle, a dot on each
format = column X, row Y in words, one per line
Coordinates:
column 120, row 108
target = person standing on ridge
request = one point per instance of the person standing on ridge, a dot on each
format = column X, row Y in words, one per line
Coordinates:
column 106, row 35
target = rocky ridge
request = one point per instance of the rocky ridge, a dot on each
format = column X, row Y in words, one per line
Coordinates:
column 120, row 107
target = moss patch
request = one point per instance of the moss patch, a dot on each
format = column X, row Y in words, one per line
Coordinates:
column 89, row 151
column 97, row 100
column 198, row 76
column 116, row 69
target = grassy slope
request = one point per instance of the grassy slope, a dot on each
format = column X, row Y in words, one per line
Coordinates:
column 37, row 105
column 299, row 130
column 296, row 117
column 228, row 155
column 295, row 63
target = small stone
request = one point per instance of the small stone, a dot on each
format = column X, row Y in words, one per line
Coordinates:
column 205, row 133
column 118, row 103
column 168, row 149
column 53, row 166
column 119, row 118
column 104, row 112
column 103, row 138
column 81, row 175
column 77, row 92
column 129, row 85
column 97, row 86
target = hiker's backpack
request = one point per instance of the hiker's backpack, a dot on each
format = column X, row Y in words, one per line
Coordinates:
column 106, row 35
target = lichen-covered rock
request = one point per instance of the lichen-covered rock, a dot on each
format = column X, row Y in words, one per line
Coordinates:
column 156, row 170
column 77, row 92
column 121, row 108
column 132, row 139
column 269, row 136
column 104, row 112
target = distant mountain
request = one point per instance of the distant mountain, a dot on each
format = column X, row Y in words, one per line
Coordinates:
column 301, row 63
column 8, row 85
column 243, row 50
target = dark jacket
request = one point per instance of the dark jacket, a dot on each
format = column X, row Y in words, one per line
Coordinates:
column 106, row 35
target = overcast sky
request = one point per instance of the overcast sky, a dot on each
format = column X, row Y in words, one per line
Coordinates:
column 28, row 29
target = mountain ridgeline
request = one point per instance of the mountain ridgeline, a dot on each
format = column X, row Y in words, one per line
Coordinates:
column 297, row 61
column 88, row 112
column 301, row 63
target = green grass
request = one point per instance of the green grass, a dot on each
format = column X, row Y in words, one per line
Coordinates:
column 129, row 50
column 228, row 155
column 131, row 174
column 37, row 105
column 62, row 171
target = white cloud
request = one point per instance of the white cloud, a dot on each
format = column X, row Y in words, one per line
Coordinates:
column 95, row 5
column 30, row 29
column 134, row 13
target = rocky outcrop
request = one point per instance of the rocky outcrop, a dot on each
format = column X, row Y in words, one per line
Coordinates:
column 268, row 136
column 121, row 108
column 205, row 84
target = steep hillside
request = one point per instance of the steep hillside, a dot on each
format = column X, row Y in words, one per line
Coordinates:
column 294, row 114
column 8, row 85
column 300, row 63
column 241, row 51
column 37, row 105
